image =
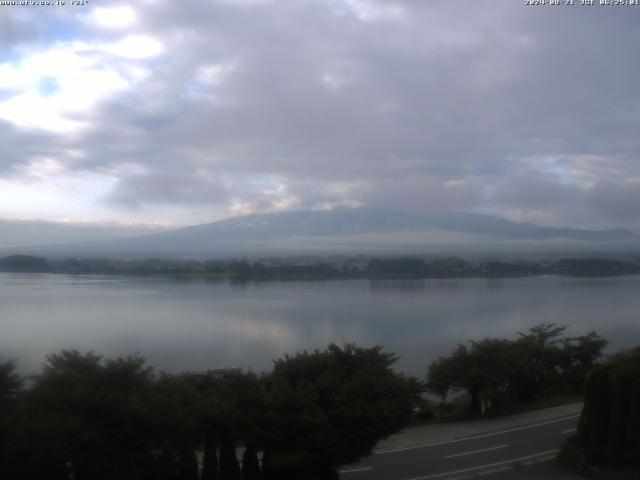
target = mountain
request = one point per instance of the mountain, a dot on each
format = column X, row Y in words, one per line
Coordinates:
column 367, row 220
column 348, row 231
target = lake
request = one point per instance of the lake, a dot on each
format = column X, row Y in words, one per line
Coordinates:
column 196, row 324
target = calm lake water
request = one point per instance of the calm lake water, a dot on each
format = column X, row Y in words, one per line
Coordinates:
column 194, row 324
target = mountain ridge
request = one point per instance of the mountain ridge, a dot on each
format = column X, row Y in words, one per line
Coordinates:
column 349, row 221
column 352, row 228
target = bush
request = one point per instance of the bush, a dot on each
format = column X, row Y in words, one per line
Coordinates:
column 572, row 456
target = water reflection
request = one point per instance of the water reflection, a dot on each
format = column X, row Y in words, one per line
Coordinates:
column 383, row 286
column 194, row 324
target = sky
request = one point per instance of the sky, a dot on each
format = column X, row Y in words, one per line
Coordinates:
column 174, row 113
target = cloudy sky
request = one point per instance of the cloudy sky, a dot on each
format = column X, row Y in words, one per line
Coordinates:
column 176, row 113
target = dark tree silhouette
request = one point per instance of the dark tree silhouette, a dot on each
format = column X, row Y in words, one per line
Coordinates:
column 229, row 466
column 113, row 419
column 187, row 465
column 331, row 407
column 610, row 421
column 24, row 263
column 90, row 413
column 250, row 464
column 496, row 372
column 210, row 460
column 10, row 383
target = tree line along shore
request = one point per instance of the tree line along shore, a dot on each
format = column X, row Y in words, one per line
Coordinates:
column 406, row 267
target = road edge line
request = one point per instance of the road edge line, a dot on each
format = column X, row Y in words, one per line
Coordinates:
column 474, row 437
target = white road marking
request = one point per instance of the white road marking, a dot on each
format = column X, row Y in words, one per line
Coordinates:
column 476, row 451
column 471, row 469
column 465, row 439
column 571, row 430
column 354, row 470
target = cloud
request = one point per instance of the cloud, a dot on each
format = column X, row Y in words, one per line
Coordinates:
column 134, row 47
column 617, row 201
column 53, row 89
column 414, row 105
column 27, row 233
column 113, row 17
column 171, row 189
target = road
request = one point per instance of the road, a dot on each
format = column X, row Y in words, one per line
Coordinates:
column 482, row 454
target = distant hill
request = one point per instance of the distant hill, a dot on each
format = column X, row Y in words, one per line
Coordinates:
column 346, row 230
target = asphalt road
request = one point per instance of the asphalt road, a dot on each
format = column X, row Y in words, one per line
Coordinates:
column 484, row 454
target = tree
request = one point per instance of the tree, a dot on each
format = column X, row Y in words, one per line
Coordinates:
column 10, row 383
column 230, row 410
column 250, row 464
column 328, row 408
column 581, row 356
column 444, row 373
column 498, row 372
column 610, row 421
column 92, row 414
column 175, row 432
column 229, row 466
column 187, row 464
column 483, row 370
column 543, row 357
column 209, row 460
column 488, row 373
column 23, row 263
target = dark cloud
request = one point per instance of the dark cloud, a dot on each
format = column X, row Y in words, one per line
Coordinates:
column 528, row 112
column 14, row 30
column 424, row 194
column 21, row 147
column 616, row 201
column 175, row 189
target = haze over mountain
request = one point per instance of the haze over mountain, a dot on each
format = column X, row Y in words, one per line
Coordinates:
column 27, row 233
column 364, row 230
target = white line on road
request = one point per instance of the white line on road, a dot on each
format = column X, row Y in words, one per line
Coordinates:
column 571, row 430
column 465, row 439
column 471, row 469
column 354, row 470
column 476, row 451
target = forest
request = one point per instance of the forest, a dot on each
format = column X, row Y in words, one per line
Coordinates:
column 402, row 267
